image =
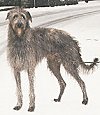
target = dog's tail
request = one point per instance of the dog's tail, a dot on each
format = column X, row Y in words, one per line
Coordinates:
column 86, row 67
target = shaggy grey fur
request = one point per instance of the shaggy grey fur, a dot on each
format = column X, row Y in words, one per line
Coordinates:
column 28, row 46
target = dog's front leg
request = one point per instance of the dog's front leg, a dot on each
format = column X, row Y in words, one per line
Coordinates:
column 31, row 94
column 19, row 91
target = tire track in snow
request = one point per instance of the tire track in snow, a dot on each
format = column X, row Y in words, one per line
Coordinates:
column 68, row 18
column 67, row 10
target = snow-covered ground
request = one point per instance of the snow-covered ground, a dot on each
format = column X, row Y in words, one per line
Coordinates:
column 87, row 31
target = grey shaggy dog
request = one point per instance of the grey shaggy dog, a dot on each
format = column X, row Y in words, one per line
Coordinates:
column 28, row 46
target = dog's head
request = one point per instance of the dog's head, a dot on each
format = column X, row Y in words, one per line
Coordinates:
column 19, row 20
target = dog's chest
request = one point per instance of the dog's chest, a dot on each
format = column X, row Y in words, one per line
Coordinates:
column 19, row 54
column 20, row 48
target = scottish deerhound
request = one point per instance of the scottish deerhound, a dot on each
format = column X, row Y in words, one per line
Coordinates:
column 27, row 47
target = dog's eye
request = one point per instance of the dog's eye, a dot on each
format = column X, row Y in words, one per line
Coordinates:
column 23, row 16
column 15, row 16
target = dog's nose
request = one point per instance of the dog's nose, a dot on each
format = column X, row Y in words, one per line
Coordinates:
column 19, row 24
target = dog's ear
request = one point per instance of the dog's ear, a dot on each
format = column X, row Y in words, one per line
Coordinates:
column 8, row 15
column 29, row 16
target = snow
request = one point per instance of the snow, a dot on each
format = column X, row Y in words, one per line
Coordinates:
column 87, row 31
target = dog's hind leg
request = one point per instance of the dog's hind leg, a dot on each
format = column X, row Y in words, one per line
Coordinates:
column 74, row 72
column 19, row 91
column 54, row 66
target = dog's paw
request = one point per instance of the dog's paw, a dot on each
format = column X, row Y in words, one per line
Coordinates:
column 17, row 108
column 57, row 100
column 85, row 101
column 31, row 109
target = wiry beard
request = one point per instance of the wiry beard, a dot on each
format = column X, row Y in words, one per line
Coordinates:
column 19, row 32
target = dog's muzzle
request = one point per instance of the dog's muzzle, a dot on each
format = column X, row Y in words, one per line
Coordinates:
column 19, row 29
column 19, row 25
